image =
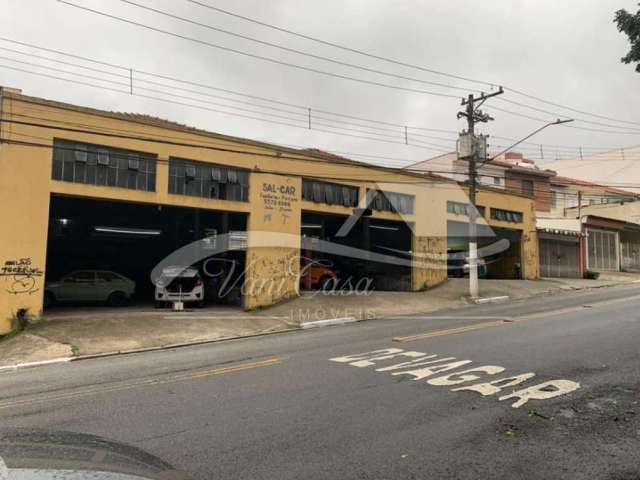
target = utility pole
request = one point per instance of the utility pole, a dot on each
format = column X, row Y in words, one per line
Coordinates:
column 473, row 115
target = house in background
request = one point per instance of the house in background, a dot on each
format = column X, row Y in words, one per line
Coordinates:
column 580, row 225
column 571, row 193
column 606, row 221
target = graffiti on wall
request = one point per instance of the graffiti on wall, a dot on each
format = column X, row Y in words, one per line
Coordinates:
column 21, row 276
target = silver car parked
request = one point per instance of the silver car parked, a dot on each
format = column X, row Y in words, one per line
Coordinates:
column 90, row 286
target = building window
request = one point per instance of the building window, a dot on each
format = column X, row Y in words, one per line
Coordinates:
column 329, row 193
column 208, row 180
column 554, row 199
column 390, row 201
column 527, row 187
column 458, row 208
column 506, row 215
column 497, row 181
column 104, row 166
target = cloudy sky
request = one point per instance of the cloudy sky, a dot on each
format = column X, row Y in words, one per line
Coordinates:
column 567, row 52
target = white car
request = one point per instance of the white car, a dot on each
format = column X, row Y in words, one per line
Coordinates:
column 179, row 284
column 90, row 286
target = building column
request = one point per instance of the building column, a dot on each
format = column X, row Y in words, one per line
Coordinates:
column 24, row 212
column 272, row 272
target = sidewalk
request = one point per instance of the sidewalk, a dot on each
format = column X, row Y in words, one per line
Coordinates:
column 83, row 331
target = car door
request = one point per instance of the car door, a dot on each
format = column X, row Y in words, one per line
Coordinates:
column 66, row 287
column 84, row 287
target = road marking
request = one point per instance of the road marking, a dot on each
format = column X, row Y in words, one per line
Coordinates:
column 503, row 321
column 141, row 383
column 449, row 331
column 432, row 365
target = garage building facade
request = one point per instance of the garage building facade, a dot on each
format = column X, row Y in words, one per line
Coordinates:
column 84, row 188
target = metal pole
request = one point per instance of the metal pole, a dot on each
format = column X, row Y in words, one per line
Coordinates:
column 406, row 136
column 473, row 229
column 309, row 118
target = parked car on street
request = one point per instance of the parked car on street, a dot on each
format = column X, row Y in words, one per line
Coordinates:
column 179, row 284
column 90, row 286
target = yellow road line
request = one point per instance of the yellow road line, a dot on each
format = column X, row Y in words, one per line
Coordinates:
column 142, row 383
column 449, row 331
column 522, row 318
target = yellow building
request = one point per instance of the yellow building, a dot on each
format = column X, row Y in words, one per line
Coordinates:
column 84, row 189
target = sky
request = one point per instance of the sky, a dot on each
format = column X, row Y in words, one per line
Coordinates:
column 566, row 52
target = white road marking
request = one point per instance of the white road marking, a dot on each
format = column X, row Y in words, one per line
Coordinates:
column 450, row 379
column 421, row 373
column 491, row 388
column 542, row 391
column 432, row 365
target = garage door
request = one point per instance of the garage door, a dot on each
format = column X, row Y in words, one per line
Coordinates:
column 602, row 248
column 559, row 258
column 630, row 253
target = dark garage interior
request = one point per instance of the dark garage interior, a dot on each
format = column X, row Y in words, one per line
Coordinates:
column 500, row 248
column 131, row 239
column 381, row 237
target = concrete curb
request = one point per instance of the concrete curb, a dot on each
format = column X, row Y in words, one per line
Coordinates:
column 327, row 323
column 41, row 363
column 499, row 299
column 176, row 345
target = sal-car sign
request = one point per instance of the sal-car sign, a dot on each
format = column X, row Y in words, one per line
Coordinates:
column 483, row 379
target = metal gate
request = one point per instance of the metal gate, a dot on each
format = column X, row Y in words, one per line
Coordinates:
column 629, row 252
column 559, row 258
column 602, row 250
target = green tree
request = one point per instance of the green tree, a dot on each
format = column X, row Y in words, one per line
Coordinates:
column 629, row 24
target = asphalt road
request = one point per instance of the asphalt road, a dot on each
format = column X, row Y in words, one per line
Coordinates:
column 278, row 407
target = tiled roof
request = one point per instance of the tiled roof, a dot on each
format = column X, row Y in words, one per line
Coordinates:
column 575, row 181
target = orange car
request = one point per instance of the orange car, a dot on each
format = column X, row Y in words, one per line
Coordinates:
column 313, row 274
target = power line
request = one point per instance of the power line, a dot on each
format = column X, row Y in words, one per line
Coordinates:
column 280, row 62
column 174, row 102
column 404, row 64
column 302, row 155
column 435, row 182
column 589, row 122
column 252, row 55
column 303, row 109
column 289, row 49
column 398, row 161
column 565, row 126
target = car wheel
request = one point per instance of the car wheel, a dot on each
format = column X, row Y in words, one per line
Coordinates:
column 118, row 299
column 49, row 299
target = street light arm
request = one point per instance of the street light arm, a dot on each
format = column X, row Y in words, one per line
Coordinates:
column 557, row 122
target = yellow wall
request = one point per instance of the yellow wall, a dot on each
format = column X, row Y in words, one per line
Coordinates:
column 24, row 213
column 273, row 253
column 25, row 188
